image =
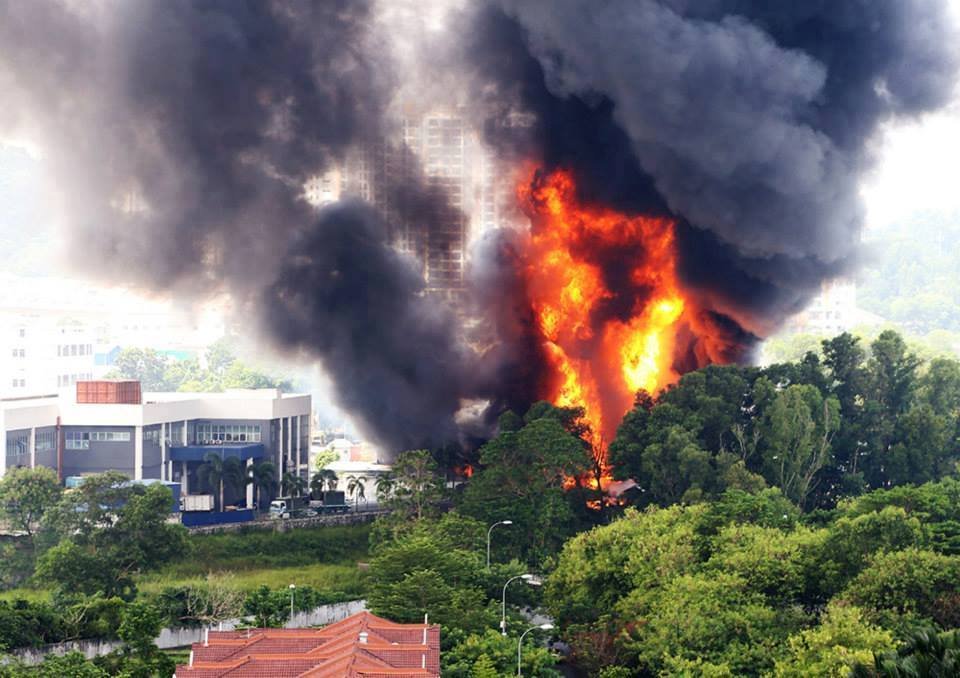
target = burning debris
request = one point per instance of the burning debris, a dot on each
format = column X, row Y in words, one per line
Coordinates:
column 690, row 174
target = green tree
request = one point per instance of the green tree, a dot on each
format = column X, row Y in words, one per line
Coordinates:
column 939, row 386
column 912, row 581
column 356, row 488
column 106, row 531
column 417, row 484
column 143, row 364
column 324, row 479
column 926, row 654
column 489, row 654
column 221, row 473
column 800, row 427
column 842, row 639
column 25, row 496
column 293, row 484
column 262, row 475
column 522, row 477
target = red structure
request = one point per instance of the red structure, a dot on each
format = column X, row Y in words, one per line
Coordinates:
column 361, row 646
column 111, row 392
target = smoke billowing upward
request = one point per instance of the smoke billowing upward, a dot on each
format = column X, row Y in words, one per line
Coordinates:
column 749, row 121
column 181, row 133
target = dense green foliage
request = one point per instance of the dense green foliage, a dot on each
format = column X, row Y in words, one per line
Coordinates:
column 743, row 587
column 819, row 430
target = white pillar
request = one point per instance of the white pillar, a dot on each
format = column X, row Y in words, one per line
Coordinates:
column 184, row 479
column 290, row 442
column 33, row 448
column 250, row 486
column 164, row 431
column 299, row 459
column 138, row 453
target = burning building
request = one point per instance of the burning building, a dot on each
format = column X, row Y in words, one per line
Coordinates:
column 689, row 172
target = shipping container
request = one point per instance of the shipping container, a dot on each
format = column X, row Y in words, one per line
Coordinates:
column 113, row 392
column 196, row 502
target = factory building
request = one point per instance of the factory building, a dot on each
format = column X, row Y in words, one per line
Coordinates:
column 101, row 426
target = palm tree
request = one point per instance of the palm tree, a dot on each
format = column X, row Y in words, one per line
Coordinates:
column 218, row 473
column 324, row 479
column 263, row 478
column 384, row 485
column 926, row 654
column 293, row 485
column 356, row 489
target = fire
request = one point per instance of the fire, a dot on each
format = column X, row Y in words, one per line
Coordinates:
column 604, row 289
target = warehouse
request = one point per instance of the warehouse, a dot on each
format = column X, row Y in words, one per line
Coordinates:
column 110, row 425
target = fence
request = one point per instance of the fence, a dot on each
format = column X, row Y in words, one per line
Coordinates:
column 181, row 637
column 282, row 525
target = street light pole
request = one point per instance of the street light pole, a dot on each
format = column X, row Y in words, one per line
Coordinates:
column 489, row 532
column 544, row 627
column 530, row 579
column 292, row 588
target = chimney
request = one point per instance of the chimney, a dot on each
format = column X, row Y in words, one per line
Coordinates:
column 363, row 637
column 206, row 637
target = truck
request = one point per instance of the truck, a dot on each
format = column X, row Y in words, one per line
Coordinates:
column 284, row 507
column 332, row 501
column 196, row 502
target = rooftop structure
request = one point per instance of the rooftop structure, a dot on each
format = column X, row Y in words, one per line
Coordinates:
column 361, row 646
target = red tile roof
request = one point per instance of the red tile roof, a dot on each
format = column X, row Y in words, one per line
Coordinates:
column 390, row 650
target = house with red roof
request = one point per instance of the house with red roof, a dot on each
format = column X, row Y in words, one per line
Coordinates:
column 361, row 646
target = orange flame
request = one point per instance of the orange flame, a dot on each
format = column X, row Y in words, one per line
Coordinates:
column 600, row 358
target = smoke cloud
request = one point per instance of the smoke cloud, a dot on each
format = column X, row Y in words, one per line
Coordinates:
column 181, row 132
column 748, row 121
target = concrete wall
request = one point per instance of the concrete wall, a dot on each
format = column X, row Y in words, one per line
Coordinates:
column 152, row 452
column 102, row 455
column 182, row 637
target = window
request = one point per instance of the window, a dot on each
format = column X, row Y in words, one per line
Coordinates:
column 19, row 353
column 18, row 443
column 46, row 440
column 110, row 436
column 228, row 433
column 77, row 440
column 151, row 435
column 22, row 332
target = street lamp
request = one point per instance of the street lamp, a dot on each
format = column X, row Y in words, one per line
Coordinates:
column 502, row 522
column 292, row 588
column 531, row 579
column 544, row 627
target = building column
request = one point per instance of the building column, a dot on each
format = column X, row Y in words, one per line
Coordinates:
column 281, row 452
column 184, row 479
column 299, row 458
column 250, row 486
column 138, row 452
column 164, row 431
column 33, row 448
column 3, row 448
column 290, row 443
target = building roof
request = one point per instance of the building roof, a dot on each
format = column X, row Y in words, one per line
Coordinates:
column 361, row 646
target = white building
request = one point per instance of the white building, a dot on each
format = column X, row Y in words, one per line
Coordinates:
column 166, row 436
column 40, row 353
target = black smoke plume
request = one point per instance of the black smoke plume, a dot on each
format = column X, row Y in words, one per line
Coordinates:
column 748, row 121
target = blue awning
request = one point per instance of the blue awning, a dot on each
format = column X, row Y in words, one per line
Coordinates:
column 199, row 452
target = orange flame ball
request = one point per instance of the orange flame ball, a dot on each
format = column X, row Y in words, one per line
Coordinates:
column 599, row 361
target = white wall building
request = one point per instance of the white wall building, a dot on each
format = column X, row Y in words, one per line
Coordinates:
column 165, row 437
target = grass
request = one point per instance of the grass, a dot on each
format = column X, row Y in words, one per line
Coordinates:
column 344, row 578
column 324, row 558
